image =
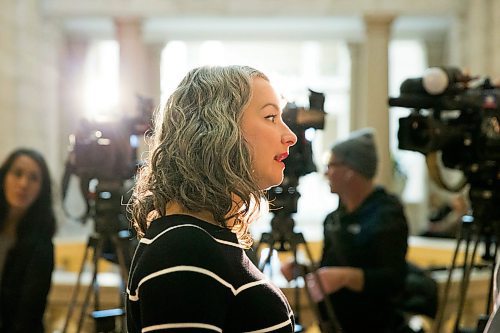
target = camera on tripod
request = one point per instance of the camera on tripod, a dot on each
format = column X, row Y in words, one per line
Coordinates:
column 300, row 161
column 459, row 116
column 285, row 197
column 103, row 156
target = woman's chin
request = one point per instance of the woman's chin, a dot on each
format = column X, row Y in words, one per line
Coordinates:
column 271, row 183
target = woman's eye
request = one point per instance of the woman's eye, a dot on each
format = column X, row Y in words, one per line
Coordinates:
column 34, row 178
column 272, row 117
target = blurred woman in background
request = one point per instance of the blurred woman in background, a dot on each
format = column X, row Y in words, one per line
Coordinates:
column 27, row 225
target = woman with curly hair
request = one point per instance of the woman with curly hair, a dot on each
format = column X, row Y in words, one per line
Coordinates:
column 217, row 145
column 27, row 225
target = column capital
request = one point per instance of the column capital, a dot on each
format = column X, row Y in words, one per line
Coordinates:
column 128, row 20
column 380, row 20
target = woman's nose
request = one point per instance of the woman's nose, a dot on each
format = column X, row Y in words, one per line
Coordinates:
column 289, row 137
column 23, row 181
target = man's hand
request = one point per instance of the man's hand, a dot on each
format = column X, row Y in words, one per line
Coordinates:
column 332, row 279
column 292, row 270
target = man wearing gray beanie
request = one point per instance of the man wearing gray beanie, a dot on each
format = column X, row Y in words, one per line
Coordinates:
column 363, row 266
column 358, row 152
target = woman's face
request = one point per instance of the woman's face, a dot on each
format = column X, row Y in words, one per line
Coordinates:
column 268, row 137
column 23, row 182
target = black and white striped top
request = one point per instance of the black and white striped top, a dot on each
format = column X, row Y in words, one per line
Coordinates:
column 188, row 275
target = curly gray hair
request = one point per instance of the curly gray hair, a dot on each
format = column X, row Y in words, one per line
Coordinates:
column 198, row 156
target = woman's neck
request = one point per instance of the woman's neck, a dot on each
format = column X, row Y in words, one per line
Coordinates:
column 11, row 221
column 174, row 208
column 357, row 196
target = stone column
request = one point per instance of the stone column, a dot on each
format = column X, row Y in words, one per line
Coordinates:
column 132, row 63
column 376, row 76
column 495, row 40
column 356, row 90
column 456, row 46
column 71, row 88
column 435, row 52
column 479, row 37
column 153, row 67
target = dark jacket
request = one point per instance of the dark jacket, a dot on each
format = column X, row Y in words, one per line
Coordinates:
column 373, row 238
column 25, row 285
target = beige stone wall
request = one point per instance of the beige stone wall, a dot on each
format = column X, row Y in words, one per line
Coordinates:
column 29, row 80
column 8, row 118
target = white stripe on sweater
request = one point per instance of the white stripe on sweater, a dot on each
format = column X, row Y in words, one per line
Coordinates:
column 135, row 296
column 148, row 241
column 181, row 325
column 272, row 328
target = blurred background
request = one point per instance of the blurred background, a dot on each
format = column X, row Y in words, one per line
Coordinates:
column 62, row 61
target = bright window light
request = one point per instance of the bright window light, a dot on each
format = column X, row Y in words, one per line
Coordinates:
column 173, row 67
column 101, row 81
column 407, row 60
column 212, row 53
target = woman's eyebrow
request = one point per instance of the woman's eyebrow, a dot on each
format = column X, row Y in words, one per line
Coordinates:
column 271, row 104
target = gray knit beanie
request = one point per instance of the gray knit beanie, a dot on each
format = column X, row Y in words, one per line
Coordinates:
column 358, row 152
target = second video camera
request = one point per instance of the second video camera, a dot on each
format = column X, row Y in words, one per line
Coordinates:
column 457, row 115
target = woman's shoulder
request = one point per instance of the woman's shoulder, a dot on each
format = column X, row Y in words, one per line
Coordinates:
column 187, row 231
column 174, row 242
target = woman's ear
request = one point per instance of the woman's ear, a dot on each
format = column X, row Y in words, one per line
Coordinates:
column 349, row 174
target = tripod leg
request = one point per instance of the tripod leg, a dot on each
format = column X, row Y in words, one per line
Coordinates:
column 297, row 289
column 120, row 249
column 492, row 284
column 267, row 260
column 120, row 253
column 466, row 277
column 76, row 289
column 93, row 284
column 444, row 300
column 492, row 279
column 331, row 324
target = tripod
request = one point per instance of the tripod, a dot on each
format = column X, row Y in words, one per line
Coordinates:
column 476, row 228
column 95, row 244
column 107, row 234
column 284, row 238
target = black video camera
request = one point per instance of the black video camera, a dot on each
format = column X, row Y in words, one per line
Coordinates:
column 105, row 153
column 106, row 150
column 300, row 162
column 452, row 115
column 299, row 119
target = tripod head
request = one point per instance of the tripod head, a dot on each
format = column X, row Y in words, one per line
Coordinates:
column 284, row 197
column 107, row 209
column 485, row 218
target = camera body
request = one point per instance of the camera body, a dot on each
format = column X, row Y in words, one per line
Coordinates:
column 460, row 120
column 107, row 150
column 102, row 151
column 103, row 155
column 300, row 161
